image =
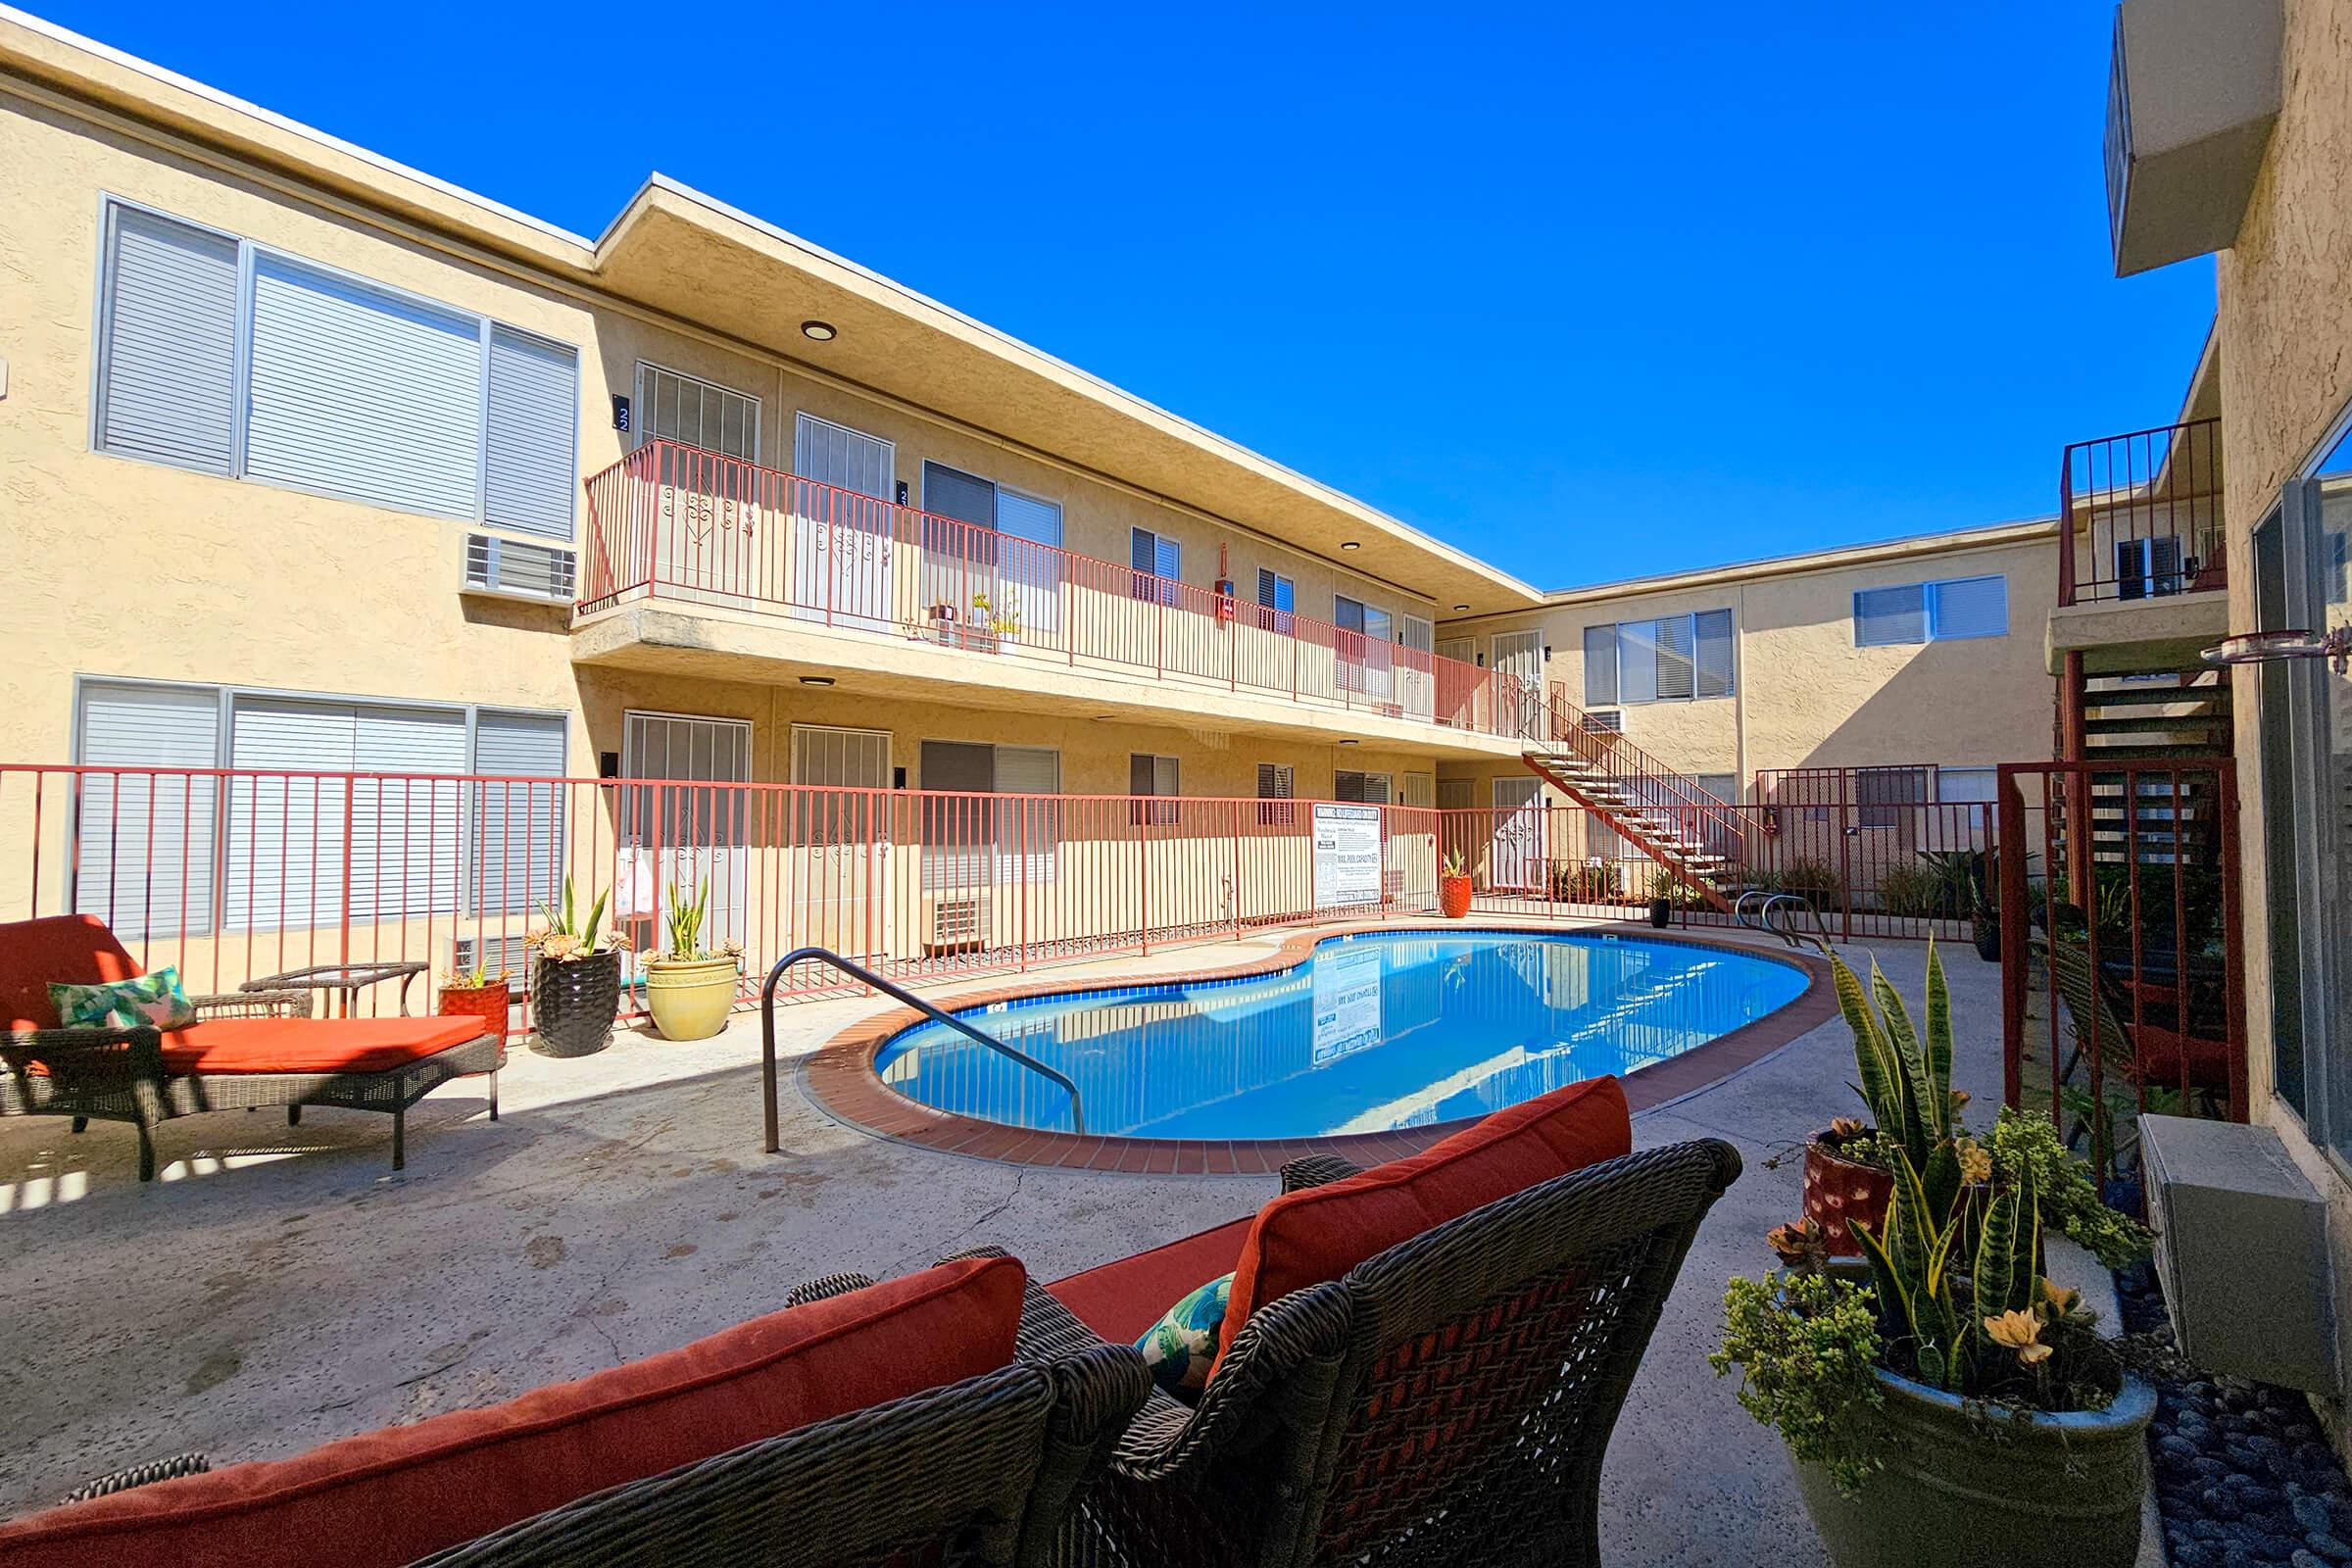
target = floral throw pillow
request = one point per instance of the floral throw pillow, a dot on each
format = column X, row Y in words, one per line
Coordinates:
column 152, row 1000
column 1180, row 1347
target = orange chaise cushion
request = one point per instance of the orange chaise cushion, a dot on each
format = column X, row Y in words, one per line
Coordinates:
column 393, row 1496
column 310, row 1045
column 70, row 949
column 1121, row 1299
column 1305, row 1238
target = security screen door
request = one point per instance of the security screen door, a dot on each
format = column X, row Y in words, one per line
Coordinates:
column 1520, row 655
column 842, row 525
column 675, row 836
column 1516, row 861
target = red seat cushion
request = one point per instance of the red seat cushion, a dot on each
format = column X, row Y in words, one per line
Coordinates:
column 390, row 1496
column 72, row 949
column 1120, row 1299
column 2162, row 1052
column 1305, row 1238
column 310, row 1045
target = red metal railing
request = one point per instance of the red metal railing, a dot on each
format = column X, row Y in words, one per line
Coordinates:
column 2141, row 515
column 232, row 874
column 2121, row 983
column 675, row 521
column 1646, row 780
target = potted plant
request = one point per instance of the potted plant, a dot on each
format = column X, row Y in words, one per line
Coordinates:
column 1666, row 890
column 575, row 982
column 1945, row 1402
column 476, row 992
column 1453, row 885
column 689, row 989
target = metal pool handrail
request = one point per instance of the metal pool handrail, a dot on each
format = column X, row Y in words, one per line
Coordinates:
column 865, row 976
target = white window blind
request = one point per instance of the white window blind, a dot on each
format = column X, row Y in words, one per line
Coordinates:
column 1970, row 607
column 166, row 350
column 534, row 405
column 1159, row 555
column 1600, row 666
column 518, row 820
column 1715, row 655
column 1638, row 662
column 1674, row 643
column 360, row 394
column 1274, row 791
column 1368, row 789
column 1028, row 832
column 1028, row 564
column 287, row 842
column 1883, row 617
column 1967, row 786
column 144, row 843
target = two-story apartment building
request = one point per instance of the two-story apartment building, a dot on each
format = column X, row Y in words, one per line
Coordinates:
column 326, row 481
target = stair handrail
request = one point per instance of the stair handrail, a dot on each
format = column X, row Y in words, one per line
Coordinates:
column 1613, row 751
column 865, row 976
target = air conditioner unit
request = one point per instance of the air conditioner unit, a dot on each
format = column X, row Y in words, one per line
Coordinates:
column 955, row 924
column 511, row 569
column 1606, row 721
column 2232, row 1212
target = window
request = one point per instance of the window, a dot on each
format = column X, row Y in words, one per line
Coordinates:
column 1274, row 794
column 1886, row 795
column 1005, row 571
column 1364, row 658
column 970, row 842
column 686, row 409
column 1147, row 774
column 1671, row 660
column 1367, row 789
column 169, row 855
column 224, row 356
column 1948, row 610
column 1967, row 786
column 1159, row 562
column 1277, row 598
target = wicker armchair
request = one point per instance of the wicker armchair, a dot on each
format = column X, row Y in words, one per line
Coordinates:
column 1448, row 1402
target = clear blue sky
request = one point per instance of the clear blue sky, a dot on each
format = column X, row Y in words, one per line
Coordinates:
column 1593, row 292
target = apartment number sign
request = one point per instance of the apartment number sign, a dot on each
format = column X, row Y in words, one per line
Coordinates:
column 1347, row 856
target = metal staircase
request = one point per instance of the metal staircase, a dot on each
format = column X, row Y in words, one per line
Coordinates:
column 1663, row 814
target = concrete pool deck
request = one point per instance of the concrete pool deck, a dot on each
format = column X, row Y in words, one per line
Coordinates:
column 286, row 1287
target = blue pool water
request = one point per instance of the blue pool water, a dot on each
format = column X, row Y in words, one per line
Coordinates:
column 1373, row 1032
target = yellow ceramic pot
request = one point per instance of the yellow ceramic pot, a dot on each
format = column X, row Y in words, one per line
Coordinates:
column 690, row 998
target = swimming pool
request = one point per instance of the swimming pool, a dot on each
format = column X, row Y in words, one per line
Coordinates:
column 1370, row 1033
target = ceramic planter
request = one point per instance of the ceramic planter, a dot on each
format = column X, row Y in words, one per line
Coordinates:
column 1661, row 913
column 690, row 998
column 489, row 1002
column 1453, row 896
column 1838, row 1190
column 1988, row 937
column 574, row 1003
column 1969, row 1488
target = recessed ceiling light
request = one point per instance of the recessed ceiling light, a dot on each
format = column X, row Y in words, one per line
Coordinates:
column 821, row 331
column 1461, row 607
column 817, row 680
column 1351, row 743
column 1351, row 544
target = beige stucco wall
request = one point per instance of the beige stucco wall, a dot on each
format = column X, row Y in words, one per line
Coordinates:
column 2286, row 332
column 134, row 570
column 1804, row 696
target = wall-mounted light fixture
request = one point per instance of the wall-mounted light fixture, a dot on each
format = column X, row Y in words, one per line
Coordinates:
column 1351, row 544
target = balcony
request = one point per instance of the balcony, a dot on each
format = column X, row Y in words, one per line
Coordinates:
column 2141, row 559
column 677, row 526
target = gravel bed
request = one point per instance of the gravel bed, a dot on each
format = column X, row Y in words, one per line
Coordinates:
column 2243, row 1473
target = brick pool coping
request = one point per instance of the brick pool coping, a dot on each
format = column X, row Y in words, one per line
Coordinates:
column 838, row 1078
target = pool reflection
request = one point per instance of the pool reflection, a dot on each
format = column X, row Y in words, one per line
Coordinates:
column 1371, row 1032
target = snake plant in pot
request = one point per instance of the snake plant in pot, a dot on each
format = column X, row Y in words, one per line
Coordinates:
column 576, row 979
column 1942, row 1401
column 690, row 989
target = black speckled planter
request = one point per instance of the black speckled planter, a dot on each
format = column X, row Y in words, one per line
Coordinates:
column 573, row 1004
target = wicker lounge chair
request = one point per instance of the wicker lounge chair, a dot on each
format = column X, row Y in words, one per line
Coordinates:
column 1448, row 1401
column 862, row 1424
column 246, row 1048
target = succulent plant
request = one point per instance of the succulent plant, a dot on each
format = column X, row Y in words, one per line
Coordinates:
column 563, row 938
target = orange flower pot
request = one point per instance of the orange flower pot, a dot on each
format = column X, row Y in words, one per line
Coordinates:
column 490, row 1003
column 1453, row 896
column 1838, row 1192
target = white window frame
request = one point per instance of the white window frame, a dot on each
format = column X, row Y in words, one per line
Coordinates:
column 1147, row 808
column 227, row 696
column 1690, row 619
column 1279, row 809
column 1930, row 612
column 1388, row 784
column 641, row 424
column 1992, row 775
column 241, row 370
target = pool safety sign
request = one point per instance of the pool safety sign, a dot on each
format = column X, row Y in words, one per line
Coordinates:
column 1347, row 856
column 1347, row 1001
